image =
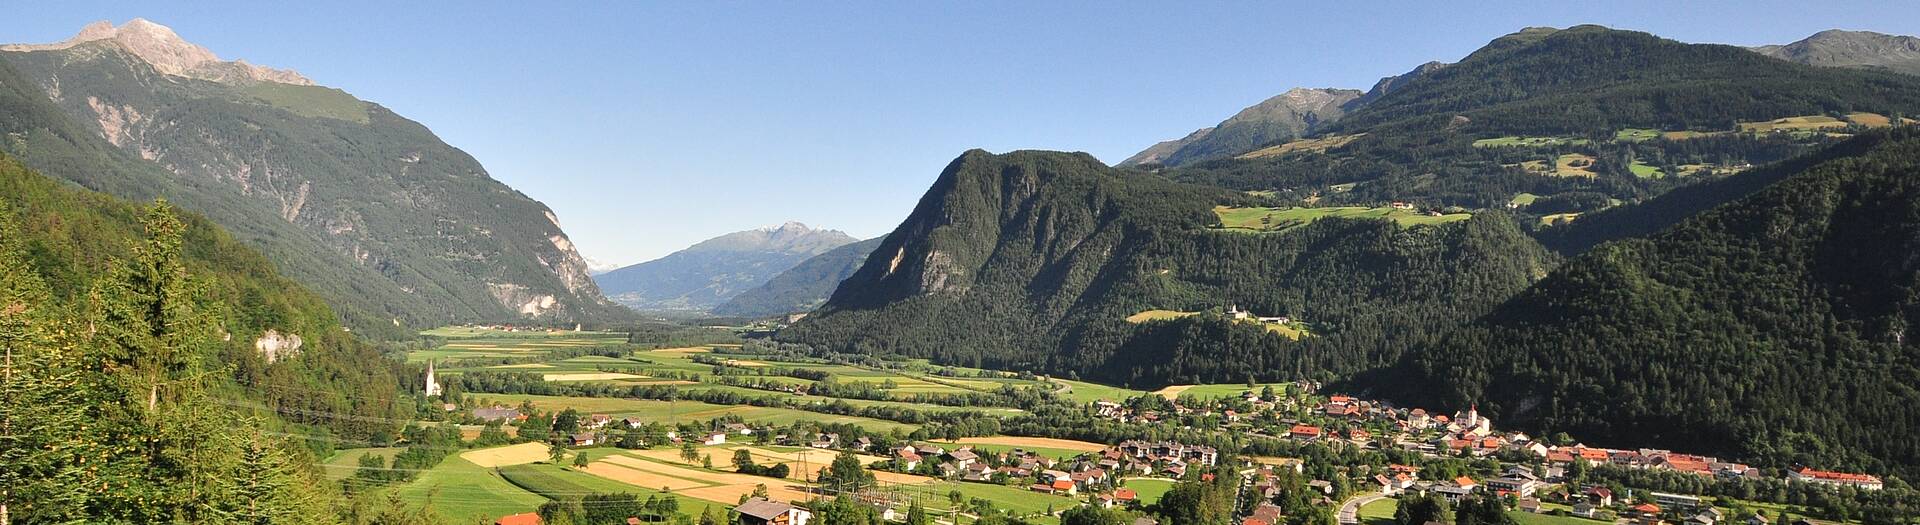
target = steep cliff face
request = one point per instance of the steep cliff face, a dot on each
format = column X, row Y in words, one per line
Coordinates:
column 441, row 239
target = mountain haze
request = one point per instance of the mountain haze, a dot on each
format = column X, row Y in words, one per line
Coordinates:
column 802, row 288
column 371, row 210
column 707, row 274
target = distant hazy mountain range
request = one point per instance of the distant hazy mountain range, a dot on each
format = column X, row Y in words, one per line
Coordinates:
column 370, row 210
column 707, row 274
column 803, row 287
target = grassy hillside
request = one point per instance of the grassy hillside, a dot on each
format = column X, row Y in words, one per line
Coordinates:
column 1770, row 327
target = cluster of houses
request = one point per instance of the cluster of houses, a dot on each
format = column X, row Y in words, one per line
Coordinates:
column 1469, row 433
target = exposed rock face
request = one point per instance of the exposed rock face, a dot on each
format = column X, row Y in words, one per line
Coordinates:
column 275, row 346
column 168, row 53
column 1859, row 49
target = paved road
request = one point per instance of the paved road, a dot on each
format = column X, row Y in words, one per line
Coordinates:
column 1350, row 511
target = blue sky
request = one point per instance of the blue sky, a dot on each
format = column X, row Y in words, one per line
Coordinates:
column 650, row 126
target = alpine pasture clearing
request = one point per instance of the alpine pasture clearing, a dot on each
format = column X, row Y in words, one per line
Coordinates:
column 508, row 455
column 1157, row 315
column 1636, row 135
column 1316, row 145
column 1523, row 199
column 1530, row 142
column 1803, row 123
column 1267, row 220
column 1645, row 171
column 1558, row 218
column 1574, row 165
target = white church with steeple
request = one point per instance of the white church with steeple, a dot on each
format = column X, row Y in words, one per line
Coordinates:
column 433, row 385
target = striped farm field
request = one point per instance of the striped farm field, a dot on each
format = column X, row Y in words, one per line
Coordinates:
column 508, row 455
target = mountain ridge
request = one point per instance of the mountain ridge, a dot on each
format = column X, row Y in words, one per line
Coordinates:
column 397, row 227
column 713, row 271
column 1856, row 49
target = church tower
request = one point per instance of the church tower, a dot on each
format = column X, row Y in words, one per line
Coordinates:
column 433, row 385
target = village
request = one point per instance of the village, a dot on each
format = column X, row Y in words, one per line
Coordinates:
column 1528, row 473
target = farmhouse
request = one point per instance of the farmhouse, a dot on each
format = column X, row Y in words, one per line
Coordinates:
column 714, row 438
column 759, row 511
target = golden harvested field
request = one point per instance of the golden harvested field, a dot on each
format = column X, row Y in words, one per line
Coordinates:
column 1062, row 444
column 730, row 494
column 1172, row 392
column 631, row 476
column 589, row 376
column 508, row 455
column 718, row 487
column 736, row 362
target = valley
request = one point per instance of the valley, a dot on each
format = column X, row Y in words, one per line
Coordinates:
column 1576, row 276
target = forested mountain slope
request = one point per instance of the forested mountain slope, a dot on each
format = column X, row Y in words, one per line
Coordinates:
column 710, row 272
column 1556, row 123
column 803, row 287
column 370, row 209
column 1036, row 260
column 129, row 325
column 1771, row 327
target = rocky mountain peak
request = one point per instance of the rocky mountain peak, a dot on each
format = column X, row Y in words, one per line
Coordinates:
column 1857, row 49
column 168, row 53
